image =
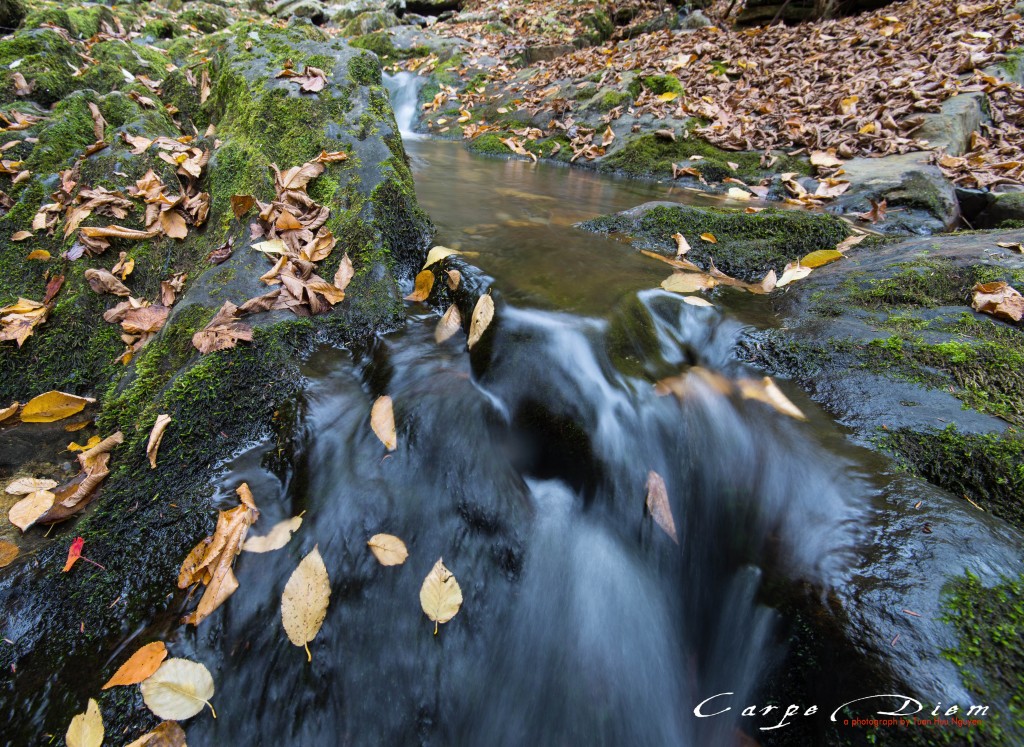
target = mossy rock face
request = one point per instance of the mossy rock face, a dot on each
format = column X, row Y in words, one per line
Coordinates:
column 145, row 520
column 748, row 245
column 367, row 23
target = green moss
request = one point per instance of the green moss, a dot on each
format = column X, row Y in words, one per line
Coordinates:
column 47, row 62
column 379, row 42
column 365, row 71
column 989, row 622
column 600, row 25
column 1014, row 60
column 649, row 156
column 656, row 84
column 989, row 468
column 612, row 99
column 489, row 144
column 748, row 245
column 918, row 193
column 205, row 17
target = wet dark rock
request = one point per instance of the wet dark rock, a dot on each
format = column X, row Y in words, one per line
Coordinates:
column 546, row 52
column 1004, row 211
column 11, row 14
column 796, row 11
column 313, row 10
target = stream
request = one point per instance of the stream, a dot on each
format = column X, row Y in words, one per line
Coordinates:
column 524, row 466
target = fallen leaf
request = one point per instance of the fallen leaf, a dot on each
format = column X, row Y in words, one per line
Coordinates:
column 668, row 96
column 305, row 599
column 166, row 734
column 877, row 212
column 344, row 274
column 155, row 436
column 824, row 159
column 709, row 237
column 139, row 666
column 9, row 411
column 682, row 245
column 437, row 254
column 21, row 235
column 388, row 549
column 850, row 242
column 331, row 157
column 1017, row 247
column 241, row 204
column 29, row 509
column 382, row 421
column 688, row 282
column 8, row 552
column 792, row 272
column 483, row 314
column 454, row 278
column 26, row 485
column 767, row 391
column 39, row 255
column 52, row 406
column 735, row 193
column 278, row 536
column 658, row 505
column 440, row 595
column 178, row 690
column 224, row 331
column 697, row 301
column 86, row 729
column 820, row 257
column 998, row 299
column 450, row 324
column 423, row 286
column 103, row 281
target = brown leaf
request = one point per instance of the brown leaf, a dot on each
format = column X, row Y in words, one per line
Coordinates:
column 241, row 204
column 99, row 124
column 102, row 281
column 211, row 561
column 139, row 666
column 998, row 299
column 450, row 324
column 877, row 212
column 296, row 177
column 118, row 232
column 145, row 320
column 344, row 274
column 332, row 157
column 222, row 253
column 260, row 303
column 454, row 278
column 21, row 86
column 382, row 421
column 223, row 331
column 8, row 552
column 166, row 734
column 173, row 224
column 155, row 437
column 29, row 509
column 53, row 288
column 320, row 248
column 658, row 505
column 424, row 284
column 688, row 282
column 388, row 549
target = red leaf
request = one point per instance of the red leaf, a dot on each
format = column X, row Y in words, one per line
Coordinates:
column 52, row 288
column 74, row 553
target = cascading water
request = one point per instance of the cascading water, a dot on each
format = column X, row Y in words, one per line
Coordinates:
column 404, row 89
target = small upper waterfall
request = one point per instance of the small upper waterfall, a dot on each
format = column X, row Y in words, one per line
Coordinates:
column 405, row 90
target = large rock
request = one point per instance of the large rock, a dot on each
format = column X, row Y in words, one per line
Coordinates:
column 1004, row 210
column 145, row 520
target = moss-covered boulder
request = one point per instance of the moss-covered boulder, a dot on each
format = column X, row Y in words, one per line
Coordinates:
column 143, row 522
column 748, row 245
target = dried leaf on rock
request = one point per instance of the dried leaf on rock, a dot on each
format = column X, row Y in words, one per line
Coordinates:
column 998, row 299
column 688, row 282
column 102, row 281
column 178, row 690
column 241, row 204
column 74, row 554
column 18, row 321
column 26, row 485
column 483, row 314
column 305, row 599
column 850, row 242
column 297, row 177
column 682, row 245
column 437, row 254
column 820, row 258
column 53, row 406
column 224, row 331
column 155, row 437
column 424, row 284
column 331, row 157
column 658, row 505
column 877, row 212
column 388, row 549
column 382, row 421
column 118, row 232
column 139, row 666
column 344, row 274
column 310, row 80
column 454, row 278
column 278, row 536
column 8, row 411
column 440, row 594
column 8, row 552
column 86, row 729
column 145, row 320
column 29, row 509
column 166, row 734
column 793, row 271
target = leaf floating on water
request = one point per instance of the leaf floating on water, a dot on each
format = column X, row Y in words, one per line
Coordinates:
column 305, row 599
column 682, row 245
column 821, row 257
column 27, row 511
column 688, row 282
column 139, row 666
column 440, row 595
column 767, row 391
column 166, row 734
column 449, row 325
column 178, row 690
column 483, row 314
column 388, row 549
column 735, row 193
column 8, row 552
column 86, row 729
column 26, row 485
column 697, row 301
column 382, row 421
column 437, row 254
column 658, row 505
column 424, row 284
column 155, row 437
column 792, row 272
column 279, row 535
column 53, row 406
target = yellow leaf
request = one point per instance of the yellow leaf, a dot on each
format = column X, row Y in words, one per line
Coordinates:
column 8, row 552
column 25, row 512
column 440, row 595
column 8, row 411
column 820, row 257
column 155, row 436
column 178, row 689
column 709, row 237
column 382, row 421
column 697, row 301
column 449, row 325
column 483, row 313
column 388, row 549
column 74, row 446
column 668, row 96
column 688, row 282
column 278, row 536
column 658, row 505
column 437, row 254
column 305, row 599
column 424, row 284
column 52, row 406
column 86, row 729
column 139, row 666
column 39, row 254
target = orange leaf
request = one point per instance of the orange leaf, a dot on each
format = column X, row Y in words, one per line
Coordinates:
column 140, row 666
column 74, row 553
